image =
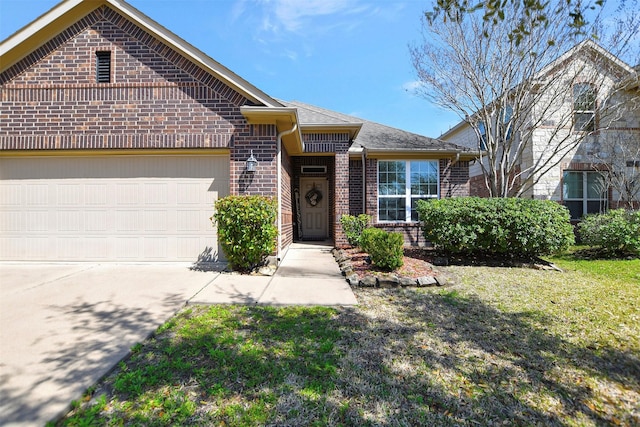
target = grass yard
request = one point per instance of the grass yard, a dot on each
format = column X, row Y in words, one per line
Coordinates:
column 504, row 346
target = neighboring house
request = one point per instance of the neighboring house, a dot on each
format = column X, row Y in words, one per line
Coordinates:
column 583, row 84
column 117, row 137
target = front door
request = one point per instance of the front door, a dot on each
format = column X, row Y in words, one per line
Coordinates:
column 314, row 201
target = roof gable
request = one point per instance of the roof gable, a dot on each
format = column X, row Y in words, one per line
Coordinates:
column 38, row 33
column 587, row 48
column 373, row 137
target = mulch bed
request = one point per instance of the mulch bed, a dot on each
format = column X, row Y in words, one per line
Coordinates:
column 420, row 262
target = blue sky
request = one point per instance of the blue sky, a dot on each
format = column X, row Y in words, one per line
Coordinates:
column 350, row 56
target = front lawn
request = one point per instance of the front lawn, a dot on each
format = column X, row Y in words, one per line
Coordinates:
column 504, row 346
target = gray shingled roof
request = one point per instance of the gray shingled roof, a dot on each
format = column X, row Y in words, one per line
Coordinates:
column 372, row 136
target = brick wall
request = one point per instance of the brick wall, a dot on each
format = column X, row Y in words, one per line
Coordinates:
column 287, row 199
column 477, row 186
column 157, row 99
column 341, row 195
column 355, row 187
column 454, row 178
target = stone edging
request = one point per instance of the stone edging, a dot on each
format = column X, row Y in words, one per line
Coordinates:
column 386, row 280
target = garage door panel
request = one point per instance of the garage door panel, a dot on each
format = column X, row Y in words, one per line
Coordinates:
column 128, row 194
column 155, row 248
column 96, row 247
column 95, row 194
column 70, row 194
column 12, row 195
column 128, row 220
column 13, row 222
column 156, row 193
column 138, row 208
column 36, row 248
column 128, row 248
column 70, row 221
column 155, row 220
column 36, row 194
column 97, row 221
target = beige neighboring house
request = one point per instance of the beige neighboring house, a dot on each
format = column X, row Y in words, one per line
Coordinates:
column 591, row 124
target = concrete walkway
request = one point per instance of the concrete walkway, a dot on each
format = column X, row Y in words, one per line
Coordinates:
column 63, row 326
column 307, row 275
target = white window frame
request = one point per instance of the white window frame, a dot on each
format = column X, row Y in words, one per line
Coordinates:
column 585, row 199
column 590, row 125
column 407, row 195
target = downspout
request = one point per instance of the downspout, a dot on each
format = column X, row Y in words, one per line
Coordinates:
column 364, row 180
column 279, row 183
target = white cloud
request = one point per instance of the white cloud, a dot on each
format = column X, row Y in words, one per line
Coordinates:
column 295, row 15
column 412, row 86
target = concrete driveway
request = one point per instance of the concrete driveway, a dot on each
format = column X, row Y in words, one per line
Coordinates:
column 63, row 326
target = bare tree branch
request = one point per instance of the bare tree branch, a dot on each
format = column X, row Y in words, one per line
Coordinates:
column 515, row 93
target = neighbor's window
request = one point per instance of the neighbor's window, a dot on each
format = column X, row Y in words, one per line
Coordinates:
column 584, row 107
column 482, row 129
column 401, row 184
column 507, row 126
column 103, row 67
column 584, row 193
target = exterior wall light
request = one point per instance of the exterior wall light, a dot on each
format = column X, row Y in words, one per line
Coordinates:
column 252, row 163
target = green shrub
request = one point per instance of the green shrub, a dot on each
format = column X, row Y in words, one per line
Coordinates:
column 508, row 226
column 353, row 227
column 616, row 230
column 367, row 238
column 246, row 229
column 385, row 249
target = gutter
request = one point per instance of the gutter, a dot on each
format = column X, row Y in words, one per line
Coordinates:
column 279, row 184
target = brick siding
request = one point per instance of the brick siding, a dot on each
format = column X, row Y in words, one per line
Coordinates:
column 355, row 187
column 454, row 178
column 157, row 99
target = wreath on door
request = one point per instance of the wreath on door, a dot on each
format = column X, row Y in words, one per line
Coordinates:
column 313, row 196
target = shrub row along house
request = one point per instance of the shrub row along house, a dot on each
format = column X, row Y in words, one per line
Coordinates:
column 117, row 137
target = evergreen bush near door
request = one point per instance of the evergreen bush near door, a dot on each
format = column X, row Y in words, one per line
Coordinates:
column 384, row 248
column 246, row 229
column 353, row 226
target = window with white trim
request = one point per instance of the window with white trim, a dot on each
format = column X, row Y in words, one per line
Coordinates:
column 584, row 107
column 401, row 183
column 584, row 193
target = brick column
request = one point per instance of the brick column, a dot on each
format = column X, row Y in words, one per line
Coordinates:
column 341, row 204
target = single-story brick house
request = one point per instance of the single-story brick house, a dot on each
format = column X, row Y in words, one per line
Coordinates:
column 117, row 137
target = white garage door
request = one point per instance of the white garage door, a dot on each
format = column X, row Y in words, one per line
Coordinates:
column 110, row 208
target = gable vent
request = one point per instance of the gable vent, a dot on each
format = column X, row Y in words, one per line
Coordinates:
column 103, row 67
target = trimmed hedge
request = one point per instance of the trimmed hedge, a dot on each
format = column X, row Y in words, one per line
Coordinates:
column 616, row 230
column 508, row 226
column 247, row 229
column 384, row 248
column 353, row 226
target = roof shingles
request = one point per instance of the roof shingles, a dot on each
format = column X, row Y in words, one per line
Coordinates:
column 372, row 135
